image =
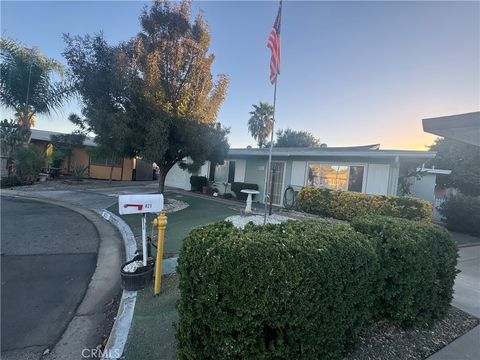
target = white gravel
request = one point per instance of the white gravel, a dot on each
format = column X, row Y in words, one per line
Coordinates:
column 130, row 268
column 241, row 221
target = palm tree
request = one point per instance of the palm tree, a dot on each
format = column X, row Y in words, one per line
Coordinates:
column 260, row 122
column 27, row 85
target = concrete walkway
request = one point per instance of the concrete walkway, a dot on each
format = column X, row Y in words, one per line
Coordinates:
column 467, row 298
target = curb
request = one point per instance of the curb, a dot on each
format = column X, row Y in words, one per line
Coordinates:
column 468, row 245
column 121, row 327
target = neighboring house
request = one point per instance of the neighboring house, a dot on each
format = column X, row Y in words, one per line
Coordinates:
column 365, row 169
column 98, row 168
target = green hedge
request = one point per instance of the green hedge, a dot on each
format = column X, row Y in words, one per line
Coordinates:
column 237, row 188
column 417, row 268
column 294, row 290
column 198, row 182
column 462, row 213
column 346, row 205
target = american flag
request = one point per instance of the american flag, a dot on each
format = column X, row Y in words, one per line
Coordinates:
column 273, row 44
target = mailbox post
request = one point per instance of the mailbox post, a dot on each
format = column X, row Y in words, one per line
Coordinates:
column 141, row 204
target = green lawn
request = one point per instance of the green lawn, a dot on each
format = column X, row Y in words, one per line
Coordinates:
column 201, row 211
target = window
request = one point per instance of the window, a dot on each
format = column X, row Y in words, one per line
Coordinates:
column 337, row 177
column 231, row 172
column 355, row 178
column 105, row 161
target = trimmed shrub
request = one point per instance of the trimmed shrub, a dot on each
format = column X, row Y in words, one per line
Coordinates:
column 237, row 188
column 462, row 213
column 346, row 205
column 417, row 269
column 198, row 182
column 288, row 291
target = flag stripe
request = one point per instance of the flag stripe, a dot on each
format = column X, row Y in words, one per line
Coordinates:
column 273, row 43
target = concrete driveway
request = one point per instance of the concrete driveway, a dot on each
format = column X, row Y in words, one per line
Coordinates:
column 466, row 298
column 49, row 254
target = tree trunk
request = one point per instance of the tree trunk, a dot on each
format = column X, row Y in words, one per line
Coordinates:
column 162, row 174
column 111, row 174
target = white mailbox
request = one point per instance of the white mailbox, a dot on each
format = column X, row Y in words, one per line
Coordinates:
column 140, row 204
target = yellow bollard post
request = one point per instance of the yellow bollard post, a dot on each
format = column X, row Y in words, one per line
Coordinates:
column 161, row 222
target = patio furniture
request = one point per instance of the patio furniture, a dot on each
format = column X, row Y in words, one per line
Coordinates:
column 249, row 192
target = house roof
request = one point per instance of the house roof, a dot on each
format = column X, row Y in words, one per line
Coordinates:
column 44, row 135
column 461, row 127
column 354, row 151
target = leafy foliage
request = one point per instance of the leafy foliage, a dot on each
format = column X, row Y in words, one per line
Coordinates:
column 294, row 138
column 198, row 182
column 463, row 159
column 261, row 122
column 79, row 171
column 417, row 269
column 154, row 93
column 237, row 188
column 27, row 85
column 288, row 291
column 345, row 205
column 28, row 163
column 462, row 213
column 12, row 135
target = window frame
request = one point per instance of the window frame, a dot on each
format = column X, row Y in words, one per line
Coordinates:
column 334, row 163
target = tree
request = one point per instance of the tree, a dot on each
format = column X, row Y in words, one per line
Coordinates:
column 26, row 83
column 157, row 88
column 294, row 138
column 11, row 136
column 260, row 123
column 463, row 159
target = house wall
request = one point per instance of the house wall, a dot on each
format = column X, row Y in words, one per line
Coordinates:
column 377, row 178
column 424, row 187
column 178, row 178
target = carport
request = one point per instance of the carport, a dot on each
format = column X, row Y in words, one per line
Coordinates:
column 461, row 127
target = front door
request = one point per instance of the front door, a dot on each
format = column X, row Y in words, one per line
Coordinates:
column 275, row 187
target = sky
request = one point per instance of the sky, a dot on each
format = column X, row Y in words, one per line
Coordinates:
column 352, row 73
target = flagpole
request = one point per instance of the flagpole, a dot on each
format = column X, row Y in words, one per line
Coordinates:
column 269, row 164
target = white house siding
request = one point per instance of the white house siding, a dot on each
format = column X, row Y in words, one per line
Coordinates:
column 205, row 169
column 393, row 179
column 298, row 173
column 240, row 168
column 178, row 178
column 377, row 179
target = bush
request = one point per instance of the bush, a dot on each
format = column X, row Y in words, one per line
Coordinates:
column 28, row 163
column 346, row 205
column 417, row 268
column 198, row 182
column 288, row 291
column 10, row 181
column 462, row 213
column 237, row 188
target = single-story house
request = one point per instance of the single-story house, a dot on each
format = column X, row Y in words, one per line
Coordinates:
column 97, row 167
column 366, row 169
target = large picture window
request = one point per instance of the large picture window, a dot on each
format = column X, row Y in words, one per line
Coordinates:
column 336, row 177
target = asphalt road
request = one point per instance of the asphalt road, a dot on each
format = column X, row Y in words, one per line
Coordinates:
column 48, row 255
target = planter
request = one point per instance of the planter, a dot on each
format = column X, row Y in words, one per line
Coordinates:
column 205, row 189
column 138, row 279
